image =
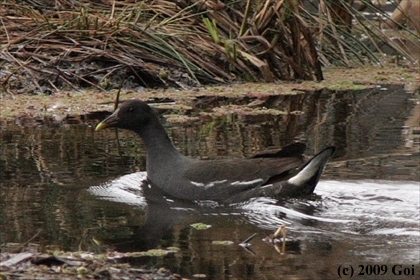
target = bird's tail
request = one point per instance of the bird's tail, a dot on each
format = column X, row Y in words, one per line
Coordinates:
column 299, row 184
column 305, row 181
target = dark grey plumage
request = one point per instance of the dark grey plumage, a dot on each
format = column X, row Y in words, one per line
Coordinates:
column 275, row 173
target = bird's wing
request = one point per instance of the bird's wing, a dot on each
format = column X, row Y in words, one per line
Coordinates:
column 292, row 150
column 234, row 175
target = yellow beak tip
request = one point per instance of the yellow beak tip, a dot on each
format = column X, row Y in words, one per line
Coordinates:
column 101, row 126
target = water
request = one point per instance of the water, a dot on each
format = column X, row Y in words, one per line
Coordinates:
column 63, row 185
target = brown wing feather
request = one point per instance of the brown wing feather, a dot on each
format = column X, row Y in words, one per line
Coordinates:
column 242, row 169
column 292, row 150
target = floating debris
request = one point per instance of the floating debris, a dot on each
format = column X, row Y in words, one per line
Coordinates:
column 274, row 239
column 200, row 226
column 222, row 242
column 246, row 243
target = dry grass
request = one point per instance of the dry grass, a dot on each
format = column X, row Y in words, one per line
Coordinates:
column 156, row 43
column 46, row 46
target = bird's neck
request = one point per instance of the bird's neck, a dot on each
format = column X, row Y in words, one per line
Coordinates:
column 159, row 147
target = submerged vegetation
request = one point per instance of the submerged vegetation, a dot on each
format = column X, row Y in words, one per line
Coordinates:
column 46, row 46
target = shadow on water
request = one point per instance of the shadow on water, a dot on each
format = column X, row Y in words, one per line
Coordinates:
column 69, row 182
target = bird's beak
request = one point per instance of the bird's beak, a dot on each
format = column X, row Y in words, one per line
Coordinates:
column 110, row 121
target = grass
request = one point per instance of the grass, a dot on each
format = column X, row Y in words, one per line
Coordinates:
column 77, row 44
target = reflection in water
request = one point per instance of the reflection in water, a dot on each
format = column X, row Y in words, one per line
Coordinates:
column 359, row 221
column 365, row 210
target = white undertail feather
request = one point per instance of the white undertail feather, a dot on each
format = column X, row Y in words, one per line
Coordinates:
column 315, row 166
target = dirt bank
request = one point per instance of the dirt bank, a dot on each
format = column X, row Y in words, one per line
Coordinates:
column 74, row 105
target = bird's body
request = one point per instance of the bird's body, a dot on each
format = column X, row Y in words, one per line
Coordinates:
column 276, row 173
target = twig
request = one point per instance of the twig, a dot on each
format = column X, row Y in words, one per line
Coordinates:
column 245, row 18
column 117, row 97
column 246, row 243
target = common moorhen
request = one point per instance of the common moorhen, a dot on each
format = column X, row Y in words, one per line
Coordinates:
column 275, row 173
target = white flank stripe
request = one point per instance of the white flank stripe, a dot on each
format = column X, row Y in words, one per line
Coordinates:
column 244, row 183
column 197, row 184
column 209, row 185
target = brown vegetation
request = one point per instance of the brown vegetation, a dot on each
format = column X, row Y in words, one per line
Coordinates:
column 406, row 13
column 48, row 46
column 155, row 43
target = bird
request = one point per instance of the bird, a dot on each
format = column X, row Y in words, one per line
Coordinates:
column 278, row 173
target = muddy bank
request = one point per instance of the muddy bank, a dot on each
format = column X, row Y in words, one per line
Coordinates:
column 77, row 265
column 78, row 106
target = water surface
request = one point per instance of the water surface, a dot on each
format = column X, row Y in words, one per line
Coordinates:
column 65, row 185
